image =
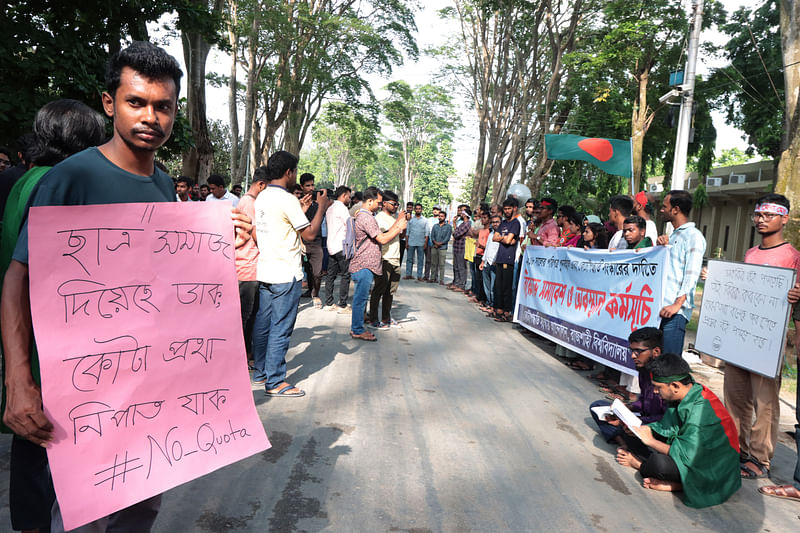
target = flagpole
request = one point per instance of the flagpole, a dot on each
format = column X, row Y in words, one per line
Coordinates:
column 632, row 191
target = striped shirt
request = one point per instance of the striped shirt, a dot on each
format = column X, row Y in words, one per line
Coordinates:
column 683, row 267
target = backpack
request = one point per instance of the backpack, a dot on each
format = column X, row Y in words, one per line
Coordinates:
column 349, row 242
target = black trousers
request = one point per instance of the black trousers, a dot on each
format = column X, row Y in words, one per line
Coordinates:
column 654, row 464
column 337, row 266
column 248, row 294
column 503, row 284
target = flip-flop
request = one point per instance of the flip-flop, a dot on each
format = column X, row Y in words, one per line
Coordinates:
column 786, row 492
column 283, row 392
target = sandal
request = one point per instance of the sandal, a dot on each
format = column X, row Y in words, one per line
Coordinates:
column 366, row 336
column 786, row 492
column 758, row 471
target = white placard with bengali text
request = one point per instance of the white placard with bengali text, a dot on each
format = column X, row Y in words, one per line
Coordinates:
column 744, row 315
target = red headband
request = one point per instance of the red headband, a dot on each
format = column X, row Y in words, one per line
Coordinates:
column 545, row 203
column 641, row 198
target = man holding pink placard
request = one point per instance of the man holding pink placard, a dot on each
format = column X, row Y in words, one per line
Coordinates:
column 142, row 89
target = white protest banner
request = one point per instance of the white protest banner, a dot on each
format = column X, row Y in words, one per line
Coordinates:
column 744, row 315
column 591, row 300
column 138, row 327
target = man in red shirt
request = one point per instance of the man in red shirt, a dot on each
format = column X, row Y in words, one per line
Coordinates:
column 746, row 392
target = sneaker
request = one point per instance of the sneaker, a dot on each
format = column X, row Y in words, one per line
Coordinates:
column 330, row 307
column 394, row 324
column 378, row 325
column 345, row 310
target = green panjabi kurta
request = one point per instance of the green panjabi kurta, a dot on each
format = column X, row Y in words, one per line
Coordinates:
column 704, row 444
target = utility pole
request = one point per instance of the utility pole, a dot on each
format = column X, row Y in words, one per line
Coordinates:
column 687, row 98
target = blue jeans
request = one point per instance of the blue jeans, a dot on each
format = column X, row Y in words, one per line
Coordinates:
column 674, row 329
column 607, row 430
column 417, row 252
column 277, row 312
column 488, row 284
column 362, row 280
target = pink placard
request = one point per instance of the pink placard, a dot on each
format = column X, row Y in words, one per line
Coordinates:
column 138, row 325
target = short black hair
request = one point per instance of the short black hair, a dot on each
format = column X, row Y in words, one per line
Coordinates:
column 533, row 201
column 467, row 210
column 204, row 185
column 306, row 177
column 6, row 151
column 621, row 203
column 484, row 207
column 62, row 128
column 358, row 196
column 372, row 193
column 409, row 203
column 216, row 179
column 152, row 62
column 261, row 174
column 297, row 187
column 575, row 218
column 184, row 179
column 774, row 198
column 279, row 162
column 636, row 219
column 510, row 202
column 340, row 190
column 680, row 199
column 670, row 364
column 417, row 204
column 237, row 186
column 389, row 195
column 650, row 337
column 566, row 210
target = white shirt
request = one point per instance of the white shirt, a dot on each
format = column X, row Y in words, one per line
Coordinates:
column 617, row 242
column 651, row 231
column 279, row 220
column 391, row 250
column 227, row 197
column 336, row 219
column 490, row 253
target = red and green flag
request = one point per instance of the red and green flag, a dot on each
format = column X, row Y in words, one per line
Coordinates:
column 610, row 155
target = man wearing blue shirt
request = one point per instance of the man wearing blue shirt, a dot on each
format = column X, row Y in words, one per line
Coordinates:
column 683, row 269
column 416, row 242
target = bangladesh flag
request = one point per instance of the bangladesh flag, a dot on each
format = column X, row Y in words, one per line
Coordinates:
column 611, row 155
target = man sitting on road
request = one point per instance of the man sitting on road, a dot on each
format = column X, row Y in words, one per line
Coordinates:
column 645, row 345
column 694, row 448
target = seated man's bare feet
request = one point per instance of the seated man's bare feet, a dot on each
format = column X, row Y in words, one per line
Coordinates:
column 626, row 458
column 660, row 484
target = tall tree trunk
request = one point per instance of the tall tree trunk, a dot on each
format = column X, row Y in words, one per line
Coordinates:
column 789, row 165
column 199, row 159
column 640, row 121
column 249, row 144
column 233, row 107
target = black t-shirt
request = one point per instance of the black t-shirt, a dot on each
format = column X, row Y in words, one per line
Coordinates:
column 88, row 178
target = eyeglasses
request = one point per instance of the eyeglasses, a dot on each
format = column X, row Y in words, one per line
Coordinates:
column 766, row 216
column 639, row 351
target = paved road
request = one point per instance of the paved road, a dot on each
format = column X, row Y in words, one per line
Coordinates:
column 453, row 423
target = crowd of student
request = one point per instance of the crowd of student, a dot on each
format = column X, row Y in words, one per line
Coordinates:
column 691, row 441
column 287, row 231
